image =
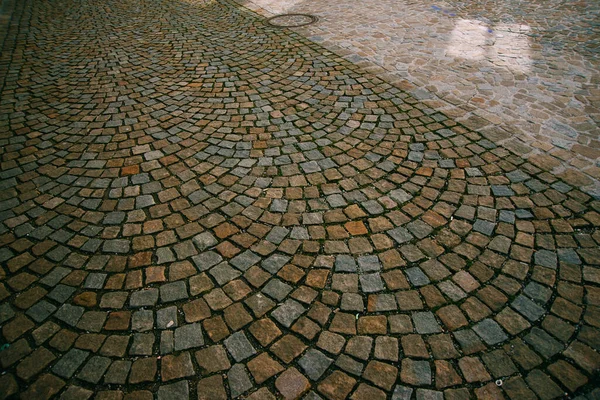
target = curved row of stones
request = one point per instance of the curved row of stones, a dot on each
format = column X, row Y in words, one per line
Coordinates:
column 499, row 67
column 208, row 207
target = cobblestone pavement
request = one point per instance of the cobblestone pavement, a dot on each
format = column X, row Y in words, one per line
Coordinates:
column 525, row 74
column 196, row 204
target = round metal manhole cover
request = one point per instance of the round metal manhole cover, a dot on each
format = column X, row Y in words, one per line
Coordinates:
column 291, row 20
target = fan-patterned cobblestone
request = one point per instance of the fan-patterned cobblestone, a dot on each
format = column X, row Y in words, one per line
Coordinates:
column 197, row 204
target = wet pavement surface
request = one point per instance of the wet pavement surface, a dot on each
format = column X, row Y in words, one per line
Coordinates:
column 197, row 204
column 524, row 74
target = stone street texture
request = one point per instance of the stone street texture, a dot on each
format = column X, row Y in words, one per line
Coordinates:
column 197, row 204
column 524, row 74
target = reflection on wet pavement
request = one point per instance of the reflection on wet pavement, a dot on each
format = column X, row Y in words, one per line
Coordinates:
column 526, row 74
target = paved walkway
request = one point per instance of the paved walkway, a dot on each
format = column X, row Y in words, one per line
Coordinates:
column 524, row 74
column 196, row 204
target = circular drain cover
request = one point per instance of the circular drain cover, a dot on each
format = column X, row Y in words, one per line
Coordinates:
column 292, row 20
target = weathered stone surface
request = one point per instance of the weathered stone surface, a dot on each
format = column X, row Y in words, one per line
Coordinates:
column 204, row 205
